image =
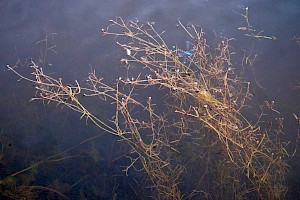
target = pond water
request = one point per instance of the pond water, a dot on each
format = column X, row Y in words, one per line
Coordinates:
column 32, row 131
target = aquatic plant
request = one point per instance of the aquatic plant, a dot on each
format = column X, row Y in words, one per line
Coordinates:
column 203, row 121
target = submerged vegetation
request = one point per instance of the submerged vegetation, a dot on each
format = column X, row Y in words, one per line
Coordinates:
column 195, row 139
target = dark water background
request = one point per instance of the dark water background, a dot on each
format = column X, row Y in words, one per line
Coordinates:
column 34, row 131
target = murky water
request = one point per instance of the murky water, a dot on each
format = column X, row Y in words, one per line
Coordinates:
column 35, row 131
